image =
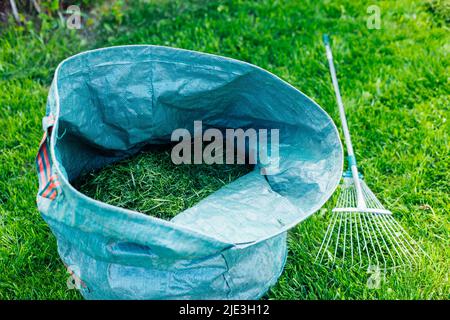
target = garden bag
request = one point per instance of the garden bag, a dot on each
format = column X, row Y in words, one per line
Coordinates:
column 108, row 104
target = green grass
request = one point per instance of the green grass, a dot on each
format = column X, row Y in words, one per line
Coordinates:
column 150, row 183
column 394, row 83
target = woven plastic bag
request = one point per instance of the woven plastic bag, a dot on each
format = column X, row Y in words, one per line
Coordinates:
column 107, row 104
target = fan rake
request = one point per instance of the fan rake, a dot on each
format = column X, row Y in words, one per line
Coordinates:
column 362, row 231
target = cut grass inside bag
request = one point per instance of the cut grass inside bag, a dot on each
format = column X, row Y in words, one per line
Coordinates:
column 151, row 184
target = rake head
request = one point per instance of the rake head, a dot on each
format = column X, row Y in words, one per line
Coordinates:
column 365, row 237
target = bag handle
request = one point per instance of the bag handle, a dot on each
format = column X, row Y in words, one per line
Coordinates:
column 48, row 182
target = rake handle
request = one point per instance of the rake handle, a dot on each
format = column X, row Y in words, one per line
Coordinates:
column 348, row 141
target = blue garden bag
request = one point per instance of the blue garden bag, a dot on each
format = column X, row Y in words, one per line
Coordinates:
column 107, row 104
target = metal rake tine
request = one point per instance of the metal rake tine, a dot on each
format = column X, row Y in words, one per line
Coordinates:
column 396, row 234
column 370, row 196
column 382, row 238
column 375, row 203
column 357, row 239
column 378, row 243
column 345, row 235
column 328, row 234
column 395, row 228
column 394, row 238
column 351, row 237
column 370, row 238
column 402, row 232
column 338, row 236
column 390, row 238
column 406, row 235
column 366, row 246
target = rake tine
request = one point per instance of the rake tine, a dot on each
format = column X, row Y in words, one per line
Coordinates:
column 330, row 234
column 338, row 236
column 345, row 236
column 396, row 235
column 405, row 235
column 370, row 238
column 327, row 235
column 351, row 237
column 357, row 239
column 398, row 229
column 376, row 240
column 366, row 247
column 384, row 241
column 374, row 202
column 394, row 238
column 389, row 238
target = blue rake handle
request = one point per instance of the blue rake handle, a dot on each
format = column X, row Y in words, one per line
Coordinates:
column 348, row 141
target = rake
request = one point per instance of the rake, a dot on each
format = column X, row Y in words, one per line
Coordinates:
column 361, row 230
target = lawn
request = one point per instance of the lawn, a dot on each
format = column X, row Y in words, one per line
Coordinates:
column 394, row 81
